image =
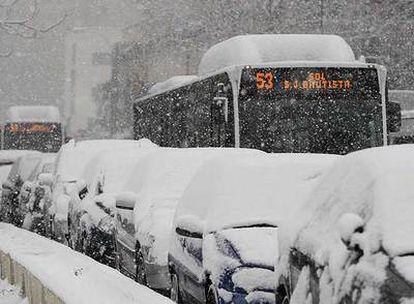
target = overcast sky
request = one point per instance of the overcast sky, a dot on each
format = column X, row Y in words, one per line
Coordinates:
column 34, row 72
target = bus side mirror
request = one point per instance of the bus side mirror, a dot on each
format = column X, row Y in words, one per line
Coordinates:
column 220, row 106
column 393, row 117
column 220, row 110
column 6, row 185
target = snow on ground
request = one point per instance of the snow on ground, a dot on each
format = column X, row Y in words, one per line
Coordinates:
column 72, row 276
column 10, row 294
column 260, row 49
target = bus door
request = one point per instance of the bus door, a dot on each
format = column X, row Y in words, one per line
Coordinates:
column 219, row 117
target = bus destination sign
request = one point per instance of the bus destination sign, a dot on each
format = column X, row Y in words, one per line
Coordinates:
column 31, row 128
column 269, row 80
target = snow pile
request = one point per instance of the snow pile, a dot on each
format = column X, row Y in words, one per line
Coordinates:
column 159, row 180
column 73, row 277
column 374, row 184
column 33, row 114
column 10, row 294
column 261, row 49
column 171, row 83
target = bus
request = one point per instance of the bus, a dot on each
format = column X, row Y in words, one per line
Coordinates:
column 33, row 128
column 406, row 100
column 276, row 93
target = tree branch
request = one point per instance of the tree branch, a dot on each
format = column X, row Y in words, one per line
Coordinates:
column 24, row 27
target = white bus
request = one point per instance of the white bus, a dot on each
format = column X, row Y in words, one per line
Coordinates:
column 277, row 93
column 33, row 128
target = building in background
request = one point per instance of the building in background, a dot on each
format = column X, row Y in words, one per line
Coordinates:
column 88, row 64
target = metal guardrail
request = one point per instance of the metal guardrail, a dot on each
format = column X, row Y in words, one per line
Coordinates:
column 30, row 286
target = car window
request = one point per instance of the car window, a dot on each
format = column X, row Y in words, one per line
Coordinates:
column 28, row 167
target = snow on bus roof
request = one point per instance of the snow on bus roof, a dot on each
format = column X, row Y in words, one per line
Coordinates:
column 171, row 83
column 33, row 114
column 407, row 114
column 258, row 49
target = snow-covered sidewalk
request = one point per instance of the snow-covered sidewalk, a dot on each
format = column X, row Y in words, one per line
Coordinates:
column 10, row 294
column 72, row 277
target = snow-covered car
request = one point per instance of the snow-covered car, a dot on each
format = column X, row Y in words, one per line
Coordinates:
column 34, row 194
column 69, row 184
column 144, row 221
column 7, row 158
column 90, row 219
column 353, row 241
column 23, row 169
column 226, row 226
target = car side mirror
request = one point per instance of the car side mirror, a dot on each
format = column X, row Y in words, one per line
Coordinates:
column 45, row 179
column 187, row 233
column 349, row 225
column 220, row 106
column 6, row 185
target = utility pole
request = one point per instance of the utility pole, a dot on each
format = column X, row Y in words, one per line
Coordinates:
column 322, row 16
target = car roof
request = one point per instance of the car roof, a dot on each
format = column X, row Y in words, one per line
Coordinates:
column 242, row 190
column 375, row 184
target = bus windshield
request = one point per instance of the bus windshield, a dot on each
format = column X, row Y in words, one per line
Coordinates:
column 316, row 110
column 44, row 137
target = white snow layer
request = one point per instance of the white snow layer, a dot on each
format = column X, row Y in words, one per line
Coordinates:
column 72, row 276
column 242, row 190
column 254, row 189
column 374, row 184
column 73, row 157
column 10, row 294
column 260, row 49
column 171, row 83
column 159, row 180
column 33, row 114
column 10, row 156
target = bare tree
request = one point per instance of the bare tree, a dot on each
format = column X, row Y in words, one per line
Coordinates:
column 20, row 18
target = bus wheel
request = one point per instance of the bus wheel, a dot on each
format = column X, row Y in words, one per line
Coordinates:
column 175, row 295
